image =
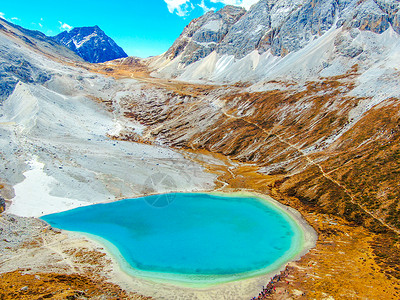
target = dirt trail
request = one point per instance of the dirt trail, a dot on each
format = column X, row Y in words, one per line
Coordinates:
column 172, row 85
column 64, row 258
column 311, row 161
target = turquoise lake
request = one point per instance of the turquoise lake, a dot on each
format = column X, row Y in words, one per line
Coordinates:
column 195, row 234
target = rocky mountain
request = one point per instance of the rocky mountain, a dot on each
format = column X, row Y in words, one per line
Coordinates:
column 203, row 35
column 91, row 43
column 266, row 41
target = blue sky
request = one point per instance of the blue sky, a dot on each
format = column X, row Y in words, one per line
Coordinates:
column 141, row 27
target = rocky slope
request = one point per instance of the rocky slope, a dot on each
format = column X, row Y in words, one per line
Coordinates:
column 18, row 64
column 91, row 43
column 292, row 39
column 320, row 147
column 51, row 114
column 315, row 108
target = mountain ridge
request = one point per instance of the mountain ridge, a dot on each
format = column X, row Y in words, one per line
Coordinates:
column 263, row 37
column 19, row 65
column 91, row 43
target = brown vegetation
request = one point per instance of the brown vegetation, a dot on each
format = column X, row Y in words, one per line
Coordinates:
column 18, row 285
column 303, row 147
column 346, row 262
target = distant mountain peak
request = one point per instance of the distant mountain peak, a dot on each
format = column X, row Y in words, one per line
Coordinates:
column 91, row 43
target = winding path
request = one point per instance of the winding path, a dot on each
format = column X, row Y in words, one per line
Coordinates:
column 324, row 174
column 64, row 258
column 298, row 149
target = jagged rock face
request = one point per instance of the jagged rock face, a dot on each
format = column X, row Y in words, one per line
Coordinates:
column 283, row 27
column 203, row 34
column 303, row 24
column 287, row 26
column 367, row 16
column 91, row 43
column 392, row 9
column 244, row 36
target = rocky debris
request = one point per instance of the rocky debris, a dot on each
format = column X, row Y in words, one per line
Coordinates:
column 91, row 43
column 18, row 231
column 345, row 46
column 2, row 205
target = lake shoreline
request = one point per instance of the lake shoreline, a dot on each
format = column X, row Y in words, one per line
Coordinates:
column 244, row 288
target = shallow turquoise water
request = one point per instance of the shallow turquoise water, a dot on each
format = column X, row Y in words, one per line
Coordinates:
column 197, row 234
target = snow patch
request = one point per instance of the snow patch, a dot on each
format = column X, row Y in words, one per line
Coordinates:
column 33, row 195
column 214, row 25
column 83, row 41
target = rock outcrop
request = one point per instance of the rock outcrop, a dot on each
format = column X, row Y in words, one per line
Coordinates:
column 245, row 34
column 203, row 35
column 2, row 204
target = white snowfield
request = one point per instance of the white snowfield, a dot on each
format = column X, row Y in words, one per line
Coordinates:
column 32, row 196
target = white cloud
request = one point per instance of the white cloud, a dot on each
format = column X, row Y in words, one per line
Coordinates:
column 184, row 7
column 65, row 26
column 180, row 7
column 15, row 19
column 204, row 7
column 244, row 3
column 41, row 26
column 1, row 15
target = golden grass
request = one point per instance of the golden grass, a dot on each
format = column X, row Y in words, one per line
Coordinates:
column 23, row 286
column 344, row 263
